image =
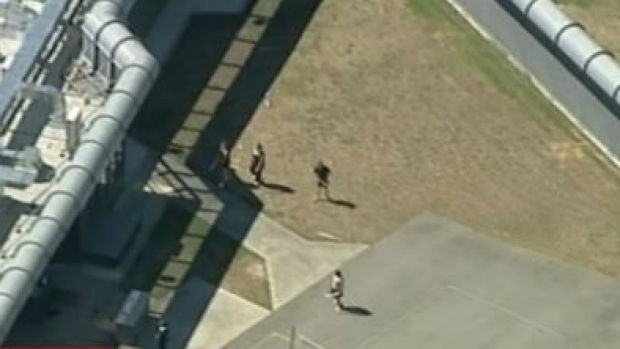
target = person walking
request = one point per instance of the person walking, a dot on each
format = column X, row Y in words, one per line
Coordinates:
column 336, row 290
column 161, row 334
column 222, row 161
column 257, row 164
column 322, row 173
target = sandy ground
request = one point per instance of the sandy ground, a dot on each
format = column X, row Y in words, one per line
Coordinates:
column 408, row 125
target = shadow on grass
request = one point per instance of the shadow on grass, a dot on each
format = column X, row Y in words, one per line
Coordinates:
column 178, row 96
column 357, row 310
column 163, row 242
column 278, row 187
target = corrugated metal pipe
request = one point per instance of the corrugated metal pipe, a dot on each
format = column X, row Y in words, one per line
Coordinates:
column 137, row 71
column 570, row 38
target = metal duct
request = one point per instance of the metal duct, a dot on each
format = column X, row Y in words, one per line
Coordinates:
column 574, row 42
column 134, row 70
column 548, row 18
column 523, row 5
column 578, row 46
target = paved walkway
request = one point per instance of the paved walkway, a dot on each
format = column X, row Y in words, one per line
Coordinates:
column 435, row 284
column 293, row 263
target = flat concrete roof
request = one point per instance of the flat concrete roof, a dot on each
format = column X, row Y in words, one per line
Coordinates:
column 435, row 284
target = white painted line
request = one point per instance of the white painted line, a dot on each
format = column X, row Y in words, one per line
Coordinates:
column 309, row 341
column 506, row 311
column 328, row 236
column 458, row 8
column 268, row 337
column 270, row 282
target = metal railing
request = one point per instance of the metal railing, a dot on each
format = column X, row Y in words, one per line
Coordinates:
column 42, row 41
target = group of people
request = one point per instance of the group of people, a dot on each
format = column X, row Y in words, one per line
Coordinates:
column 257, row 164
column 221, row 163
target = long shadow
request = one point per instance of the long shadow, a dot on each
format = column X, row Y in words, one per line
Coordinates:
column 282, row 188
column 48, row 319
column 256, row 76
column 164, row 242
column 228, row 122
column 551, row 46
column 343, row 203
column 357, row 310
column 184, row 78
column 195, row 59
column 143, row 14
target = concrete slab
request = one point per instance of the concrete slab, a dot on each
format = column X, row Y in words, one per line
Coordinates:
column 219, row 324
column 436, row 284
column 293, row 263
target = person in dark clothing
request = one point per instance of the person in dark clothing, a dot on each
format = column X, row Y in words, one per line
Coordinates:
column 322, row 173
column 161, row 334
column 222, row 162
column 257, row 164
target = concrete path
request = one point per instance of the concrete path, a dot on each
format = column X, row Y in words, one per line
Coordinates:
column 228, row 316
column 293, row 263
column 435, row 284
column 561, row 86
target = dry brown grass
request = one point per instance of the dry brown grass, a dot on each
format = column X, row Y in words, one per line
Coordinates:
column 409, row 123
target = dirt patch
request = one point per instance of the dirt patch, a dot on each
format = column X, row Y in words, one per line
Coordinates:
column 222, row 261
column 416, row 113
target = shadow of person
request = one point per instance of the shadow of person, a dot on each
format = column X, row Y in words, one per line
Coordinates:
column 356, row 310
column 343, row 203
column 278, row 187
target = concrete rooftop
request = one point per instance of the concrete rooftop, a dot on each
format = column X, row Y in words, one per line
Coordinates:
column 436, row 284
column 29, row 125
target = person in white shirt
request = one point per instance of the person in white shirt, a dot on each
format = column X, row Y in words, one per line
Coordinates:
column 161, row 336
column 336, row 290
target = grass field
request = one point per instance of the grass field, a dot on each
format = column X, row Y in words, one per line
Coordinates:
column 488, row 60
column 415, row 112
column 409, row 106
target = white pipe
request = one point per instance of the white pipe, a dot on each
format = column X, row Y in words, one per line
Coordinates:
column 574, row 42
column 136, row 72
